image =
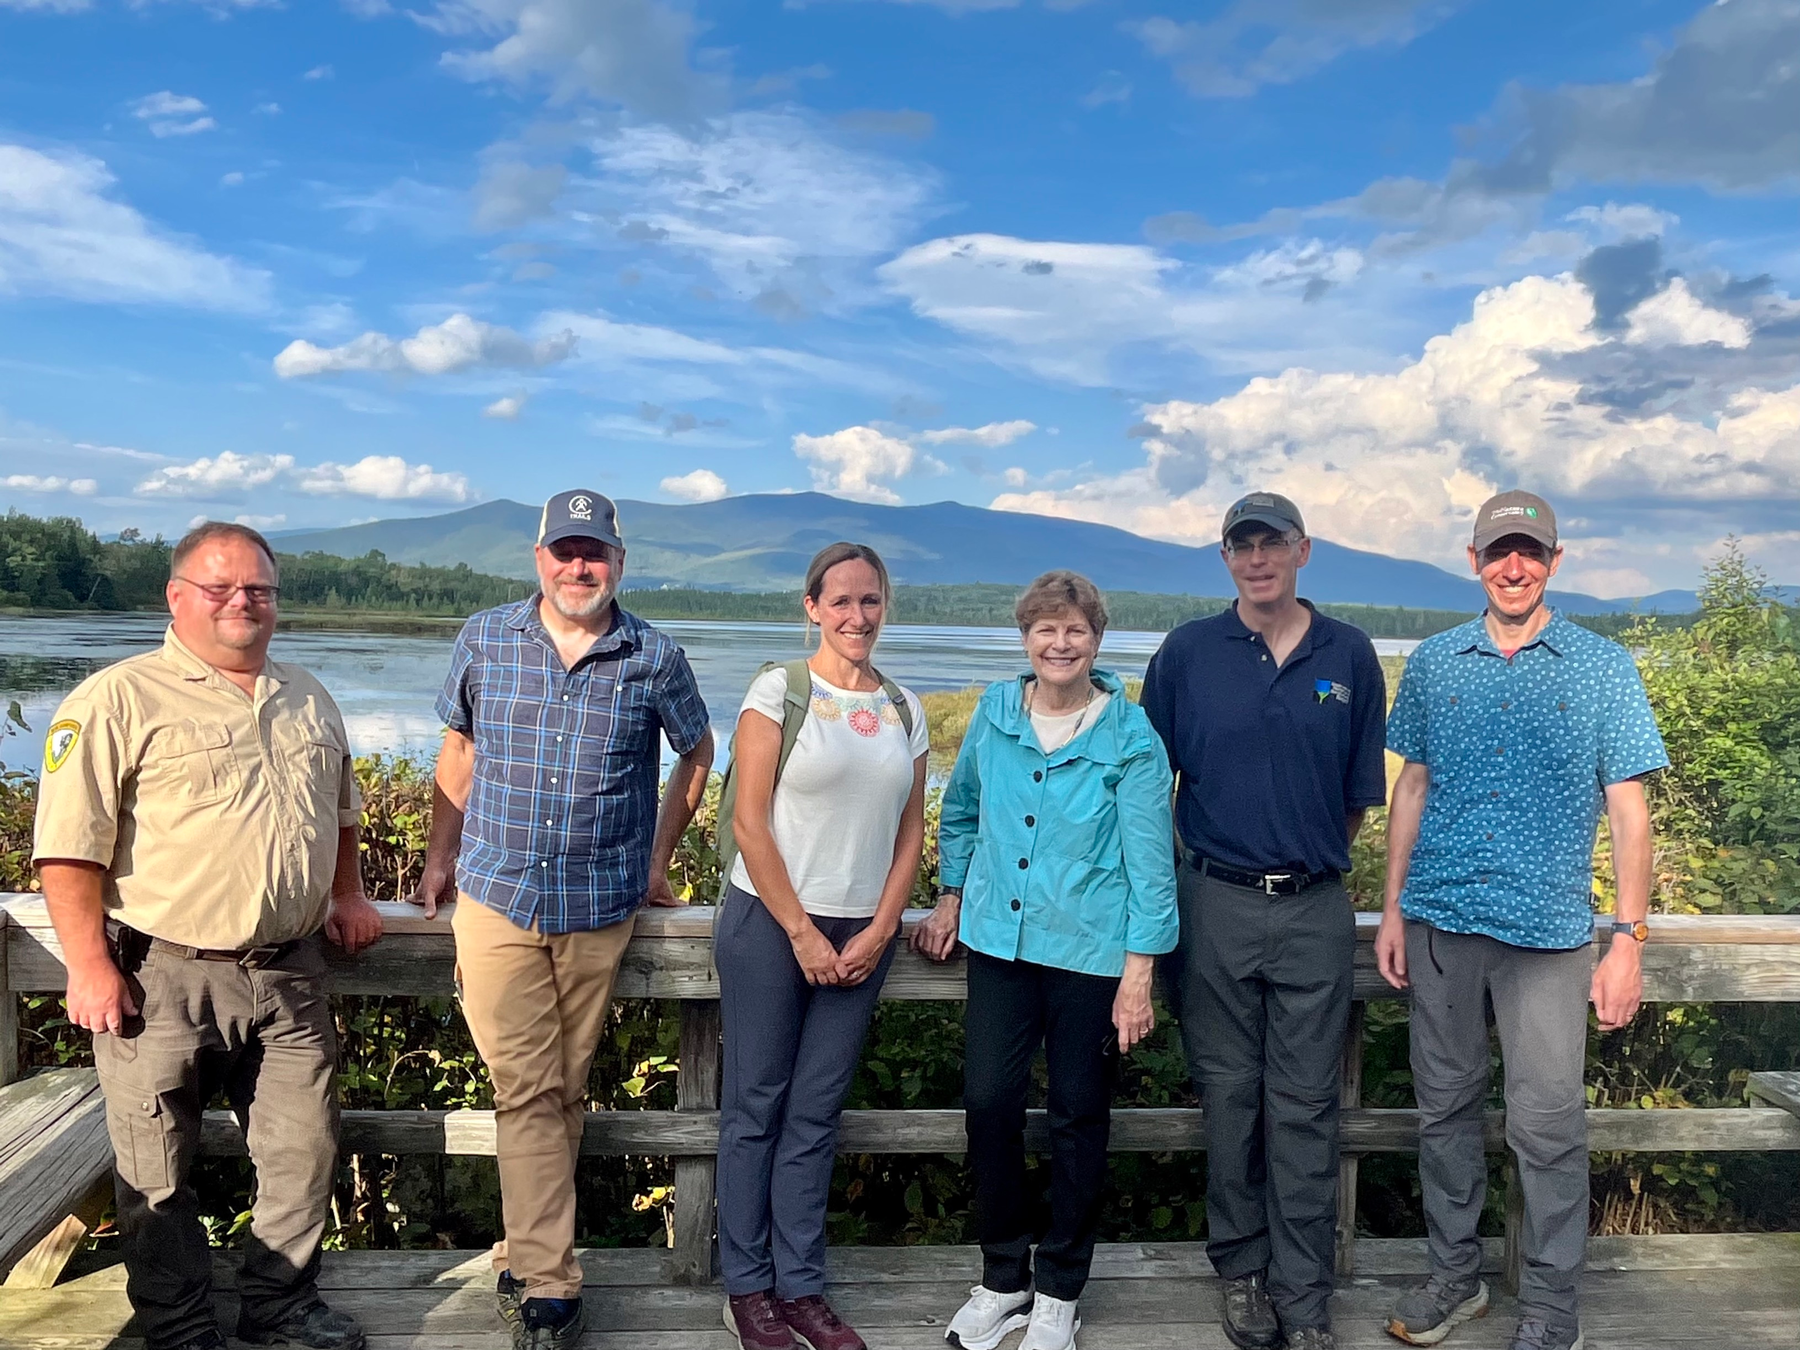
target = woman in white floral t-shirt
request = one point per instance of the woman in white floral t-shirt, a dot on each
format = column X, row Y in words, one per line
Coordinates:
column 827, row 859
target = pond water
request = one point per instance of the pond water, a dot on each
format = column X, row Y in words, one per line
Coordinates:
column 386, row 683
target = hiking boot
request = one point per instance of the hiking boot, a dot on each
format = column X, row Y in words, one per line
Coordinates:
column 1430, row 1311
column 548, row 1324
column 315, row 1327
column 1250, row 1321
column 1536, row 1334
column 815, row 1322
column 206, row 1340
column 755, row 1319
column 1310, row 1338
column 509, row 1297
column 988, row 1318
column 1053, row 1324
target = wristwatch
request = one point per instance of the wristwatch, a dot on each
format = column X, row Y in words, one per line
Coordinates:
column 1639, row 930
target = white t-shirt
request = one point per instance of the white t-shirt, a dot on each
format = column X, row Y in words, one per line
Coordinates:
column 1055, row 730
column 838, row 805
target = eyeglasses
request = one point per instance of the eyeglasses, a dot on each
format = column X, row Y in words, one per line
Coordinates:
column 566, row 551
column 1270, row 546
column 1528, row 550
column 221, row 594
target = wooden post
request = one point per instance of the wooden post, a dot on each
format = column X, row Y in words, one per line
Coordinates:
column 1515, row 1224
column 696, row 1089
column 10, row 1050
column 1349, row 1094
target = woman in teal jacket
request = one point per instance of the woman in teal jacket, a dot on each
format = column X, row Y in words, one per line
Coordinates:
column 1057, row 872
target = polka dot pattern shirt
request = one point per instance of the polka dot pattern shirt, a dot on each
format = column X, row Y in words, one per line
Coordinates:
column 1520, row 753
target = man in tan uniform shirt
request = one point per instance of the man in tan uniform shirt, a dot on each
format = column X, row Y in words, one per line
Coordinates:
column 196, row 832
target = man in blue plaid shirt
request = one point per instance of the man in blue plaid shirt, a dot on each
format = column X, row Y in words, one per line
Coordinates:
column 545, row 819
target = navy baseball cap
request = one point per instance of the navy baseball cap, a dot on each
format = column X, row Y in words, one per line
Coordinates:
column 580, row 515
column 1263, row 508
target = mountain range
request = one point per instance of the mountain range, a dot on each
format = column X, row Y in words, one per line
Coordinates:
column 763, row 543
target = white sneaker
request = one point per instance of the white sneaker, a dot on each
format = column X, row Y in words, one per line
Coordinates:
column 988, row 1318
column 1053, row 1325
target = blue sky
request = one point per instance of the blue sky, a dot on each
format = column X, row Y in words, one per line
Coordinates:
column 319, row 262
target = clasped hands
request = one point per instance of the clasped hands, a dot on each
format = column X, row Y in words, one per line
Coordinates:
column 823, row 963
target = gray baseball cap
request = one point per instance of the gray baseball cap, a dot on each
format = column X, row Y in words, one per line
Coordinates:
column 1262, row 508
column 1515, row 512
column 580, row 514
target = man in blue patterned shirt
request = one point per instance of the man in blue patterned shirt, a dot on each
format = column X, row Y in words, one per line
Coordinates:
column 545, row 819
column 1517, row 729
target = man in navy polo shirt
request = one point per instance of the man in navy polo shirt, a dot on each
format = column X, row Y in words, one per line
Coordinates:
column 1272, row 714
column 1517, row 729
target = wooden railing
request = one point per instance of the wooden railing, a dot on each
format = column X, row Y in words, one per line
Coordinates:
column 1688, row 960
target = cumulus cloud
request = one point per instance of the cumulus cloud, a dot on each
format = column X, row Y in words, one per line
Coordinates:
column 1397, row 462
column 1259, row 42
column 31, row 482
column 170, row 114
column 855, row 461
column 1676, row 317
column 505, row 409
column 62, row 234
column 992, row 435
column 633, row 53
column 230, row 475
column 702, row 485
column 458, row 343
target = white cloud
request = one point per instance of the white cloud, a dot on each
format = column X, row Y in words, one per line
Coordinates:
column 1675, row 317
column 170, row 114
column 1397, row 462
column 320, row 73
column 54, row 6
column 633, row 53
column 505, row 409
column 231, row 475
column 257, row 522
column 267, row 109
column 61, row 234
column 457, row 343
column 232, row 179
column 852, row 462
column 702, row 485
column 993, row 435
column 31, row 482
column 509, row 193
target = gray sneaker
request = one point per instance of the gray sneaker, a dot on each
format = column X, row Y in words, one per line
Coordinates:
column 1250, row 1321
column 1428, row 1313
column 1536, row 1334
column 1310, row 1338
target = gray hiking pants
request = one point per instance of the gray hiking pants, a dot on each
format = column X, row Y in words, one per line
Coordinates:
column 1537, row 1000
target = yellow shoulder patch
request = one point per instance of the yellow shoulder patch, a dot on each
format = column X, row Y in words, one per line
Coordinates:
column 59, row 743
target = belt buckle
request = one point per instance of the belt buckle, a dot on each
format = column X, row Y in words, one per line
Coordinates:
column 1273, row 879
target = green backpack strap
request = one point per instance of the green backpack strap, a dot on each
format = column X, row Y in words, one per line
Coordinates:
column 795, row 704
column 898, row 698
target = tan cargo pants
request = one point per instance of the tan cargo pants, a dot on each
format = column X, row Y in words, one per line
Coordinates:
column 536, row 1006
column 266, row 1038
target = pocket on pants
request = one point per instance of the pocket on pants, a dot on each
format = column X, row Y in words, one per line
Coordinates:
column 141, row 1130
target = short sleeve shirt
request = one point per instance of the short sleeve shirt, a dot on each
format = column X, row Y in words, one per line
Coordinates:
column 1520, row 751
column 214, row 812
column 562, row 809
column 1271, row 758
column 836, row 811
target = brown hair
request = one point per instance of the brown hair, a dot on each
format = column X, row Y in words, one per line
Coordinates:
column 1059, row 590
column 841, row 552
column 207, row 531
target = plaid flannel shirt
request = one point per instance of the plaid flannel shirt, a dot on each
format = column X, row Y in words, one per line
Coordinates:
column 562, row 809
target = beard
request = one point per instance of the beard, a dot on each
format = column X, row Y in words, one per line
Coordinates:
column 580, row 602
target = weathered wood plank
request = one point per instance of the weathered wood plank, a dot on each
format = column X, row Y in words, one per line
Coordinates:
column 1777, row 1088
column 696, row 1091
column 53, row 1150
column 1349, row 1097
column 40, row 1267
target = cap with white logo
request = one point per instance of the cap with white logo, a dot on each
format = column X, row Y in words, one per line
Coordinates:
column 580, row 515
column 1515, row 513
column 1263, row 508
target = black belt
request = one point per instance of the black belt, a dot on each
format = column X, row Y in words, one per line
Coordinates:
column 133, row 944
column 1269, row 883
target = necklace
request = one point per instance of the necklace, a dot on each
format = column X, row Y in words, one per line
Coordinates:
column 1080, row 722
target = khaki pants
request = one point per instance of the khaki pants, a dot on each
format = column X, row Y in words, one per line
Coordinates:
column 266, row 1037
column 536, row 1006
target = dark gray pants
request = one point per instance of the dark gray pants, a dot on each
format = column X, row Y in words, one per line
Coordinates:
column 266, row 1037
column 790, row 1051
column 1263, row 984
column 1538, row 1002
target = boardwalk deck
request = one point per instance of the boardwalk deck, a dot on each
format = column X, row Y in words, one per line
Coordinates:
column 1642, row 1294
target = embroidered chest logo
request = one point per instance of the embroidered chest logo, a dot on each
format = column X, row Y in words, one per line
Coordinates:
column 1327, row 690
column 59, row 743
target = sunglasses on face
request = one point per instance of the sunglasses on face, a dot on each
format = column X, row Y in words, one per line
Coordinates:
column 566, row 551
column 1528, row 550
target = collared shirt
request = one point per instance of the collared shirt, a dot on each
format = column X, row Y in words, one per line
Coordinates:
column 1520, row 750
column 1271, row 759
column 563, row 806
column 214, row 812
column 1065, row 859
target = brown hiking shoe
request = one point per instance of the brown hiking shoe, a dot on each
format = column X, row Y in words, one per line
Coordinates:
column 815, row 1322
column 757, row 1323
